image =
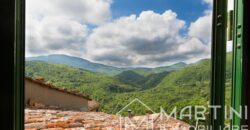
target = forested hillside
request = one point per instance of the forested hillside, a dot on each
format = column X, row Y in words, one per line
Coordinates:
column 77, row 62
column 167, row 89
column 88, row 83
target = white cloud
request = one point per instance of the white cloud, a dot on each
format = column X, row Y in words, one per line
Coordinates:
column 86, row 11
column 149, row 39
column 54, row 35
column 59, row 26
column 202, row 27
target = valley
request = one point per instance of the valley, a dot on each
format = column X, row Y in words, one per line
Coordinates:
column 178, row 85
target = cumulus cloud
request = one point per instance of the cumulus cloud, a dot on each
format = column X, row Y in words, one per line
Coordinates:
column 202, row 27
column 53, row 35
column 148, row 39
column 60, row 26
column 86, row 11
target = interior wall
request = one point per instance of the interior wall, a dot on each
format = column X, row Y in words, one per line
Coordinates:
column 246, row 57
column 7, row 8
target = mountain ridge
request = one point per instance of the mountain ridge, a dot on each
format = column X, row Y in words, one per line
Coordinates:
column 78, row 62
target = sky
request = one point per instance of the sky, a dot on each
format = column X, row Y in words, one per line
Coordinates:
column 141, row 33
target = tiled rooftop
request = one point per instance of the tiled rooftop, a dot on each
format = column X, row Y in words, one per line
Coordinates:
column 44, row 119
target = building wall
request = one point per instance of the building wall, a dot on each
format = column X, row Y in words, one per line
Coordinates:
column 52, row 97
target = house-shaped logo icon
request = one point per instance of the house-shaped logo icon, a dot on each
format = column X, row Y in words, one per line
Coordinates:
column 136, row 100
column 131, row 122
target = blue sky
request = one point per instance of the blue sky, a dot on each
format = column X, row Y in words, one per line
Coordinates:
column 188, row 10
column 144, row 33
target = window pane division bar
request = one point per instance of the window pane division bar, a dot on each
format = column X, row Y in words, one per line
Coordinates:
column 19, row 65
column 218, row 63
column 238, row 94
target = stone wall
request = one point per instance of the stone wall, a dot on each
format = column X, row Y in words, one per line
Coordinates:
column 51, row 97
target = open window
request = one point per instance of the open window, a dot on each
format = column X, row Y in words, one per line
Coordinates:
column 92, row 64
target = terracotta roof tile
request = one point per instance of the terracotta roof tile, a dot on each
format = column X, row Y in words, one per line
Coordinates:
column 72, row 120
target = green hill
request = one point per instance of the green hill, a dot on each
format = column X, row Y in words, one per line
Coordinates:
column 95, row 84
column 148, row 71
column 185, row 86
column 188, row 86
column 77, row 62
column 142, row 81
column 131, row 77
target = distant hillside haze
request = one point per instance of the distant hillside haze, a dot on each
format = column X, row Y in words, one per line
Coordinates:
column 101, row 68
column 76, row 62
